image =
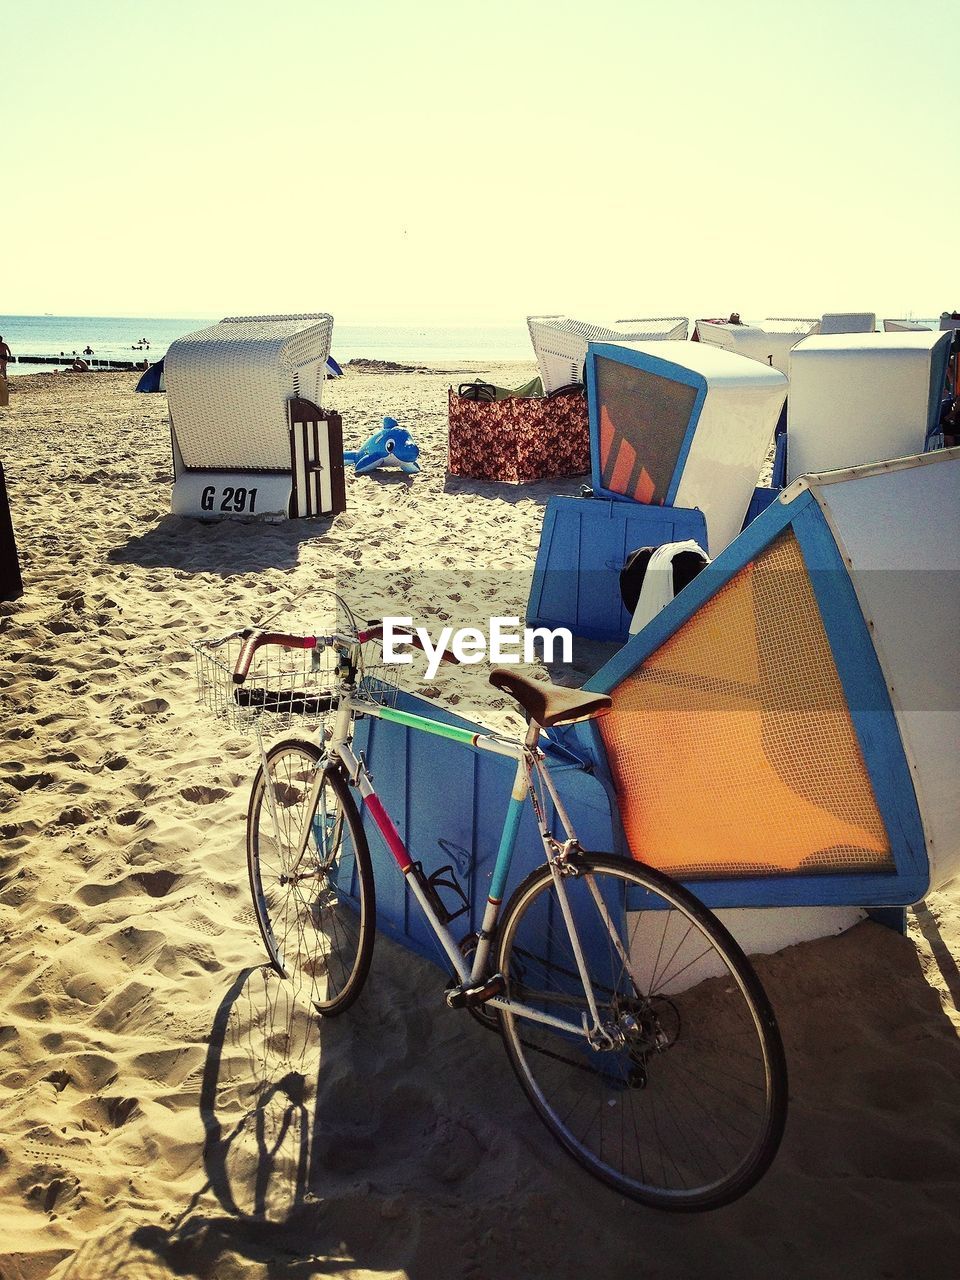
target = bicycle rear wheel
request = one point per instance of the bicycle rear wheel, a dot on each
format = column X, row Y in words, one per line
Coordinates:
column 316, row 911
column 681, row 1102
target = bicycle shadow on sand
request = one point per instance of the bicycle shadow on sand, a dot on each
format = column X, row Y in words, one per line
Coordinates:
column 286, row 1116
column 259, row 1083
column 395, row 1140
column 372, row 1142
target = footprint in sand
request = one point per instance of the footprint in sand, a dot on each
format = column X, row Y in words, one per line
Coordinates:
column 92, row 1071
column 10, row 830
column 134, row 946
column 151, row 707
column 26, row 781
column 19, row 732
column 141, row 790
column 156, row 883
column 61, row 626
column 187, row 960
column 74, row 817
column 204, row 795
column 48, row 1195
column 132, row 1007
column 119, row 1110
column 59, row 1080
column 84, row 989
column 170, row 1066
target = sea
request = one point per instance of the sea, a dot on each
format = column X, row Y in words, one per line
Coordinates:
column 147, row 337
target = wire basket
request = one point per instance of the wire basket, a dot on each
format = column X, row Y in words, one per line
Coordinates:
column 287, row 688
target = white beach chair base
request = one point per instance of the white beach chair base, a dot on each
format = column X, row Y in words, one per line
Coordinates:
column 765, row 931
column 222, row 495
column 313, row 485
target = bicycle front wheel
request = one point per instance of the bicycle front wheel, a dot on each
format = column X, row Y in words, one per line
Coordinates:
column 310, row 875
column 679, row 1099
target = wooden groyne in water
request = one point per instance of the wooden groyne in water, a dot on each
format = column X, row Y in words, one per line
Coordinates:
column 91, row 361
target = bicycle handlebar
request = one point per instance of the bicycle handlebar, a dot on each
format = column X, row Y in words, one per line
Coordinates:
column 254, row 640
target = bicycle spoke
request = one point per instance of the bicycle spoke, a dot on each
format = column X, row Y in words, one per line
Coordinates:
column 669, row 1098
column 303, row 856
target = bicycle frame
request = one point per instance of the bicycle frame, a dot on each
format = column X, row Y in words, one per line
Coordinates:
column 529, row 959
column 530, row 761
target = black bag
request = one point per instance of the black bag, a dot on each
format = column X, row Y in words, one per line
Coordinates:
column 686, row 566
column 483, row 391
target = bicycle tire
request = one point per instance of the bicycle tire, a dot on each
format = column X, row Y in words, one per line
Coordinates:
column 319, row 928
column 669, row 1075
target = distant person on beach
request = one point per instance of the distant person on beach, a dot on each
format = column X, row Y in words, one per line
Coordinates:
column 79, row 366
column 88, row 350
column 5, row 355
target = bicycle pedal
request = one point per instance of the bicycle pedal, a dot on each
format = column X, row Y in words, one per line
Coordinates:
column 468, row 997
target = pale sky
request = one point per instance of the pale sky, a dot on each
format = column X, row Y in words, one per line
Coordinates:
column 444, row 161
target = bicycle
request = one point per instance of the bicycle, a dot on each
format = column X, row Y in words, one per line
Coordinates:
column 634, row 1023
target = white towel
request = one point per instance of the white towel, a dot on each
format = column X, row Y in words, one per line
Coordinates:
column 656, row 590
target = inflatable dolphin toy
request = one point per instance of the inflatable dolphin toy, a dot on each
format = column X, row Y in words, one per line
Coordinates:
column 391, row 446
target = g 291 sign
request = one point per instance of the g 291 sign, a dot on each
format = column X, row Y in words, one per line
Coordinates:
column 229, row 499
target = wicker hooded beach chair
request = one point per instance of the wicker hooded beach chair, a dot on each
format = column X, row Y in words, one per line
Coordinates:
column 244, row 398
column 560, row 342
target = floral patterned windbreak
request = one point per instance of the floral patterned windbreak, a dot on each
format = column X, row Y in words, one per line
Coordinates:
column 519, row 440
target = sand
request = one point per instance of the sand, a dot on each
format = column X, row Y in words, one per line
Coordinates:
column 168, row 1108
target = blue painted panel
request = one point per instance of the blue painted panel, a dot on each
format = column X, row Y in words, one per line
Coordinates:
column 761, row 499
column 583, row 546
column 894, row 918
column 811, row 891
column 556, row 594
column 449, row 802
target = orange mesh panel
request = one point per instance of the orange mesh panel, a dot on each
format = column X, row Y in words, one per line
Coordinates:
column 608, row 433
column 732, row 748
column 626, row 460
column 645, row 487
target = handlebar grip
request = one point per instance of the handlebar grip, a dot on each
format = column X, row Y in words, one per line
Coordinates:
column 254, row 640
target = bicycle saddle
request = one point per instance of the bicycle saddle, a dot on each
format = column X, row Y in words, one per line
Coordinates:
column 549, row 704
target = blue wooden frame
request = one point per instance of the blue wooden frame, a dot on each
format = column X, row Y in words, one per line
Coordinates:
column 583, row 545
column 868, row 701
column 649, row 364
column 462, row 822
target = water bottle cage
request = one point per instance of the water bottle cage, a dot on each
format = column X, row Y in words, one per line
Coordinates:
column 442, row 878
